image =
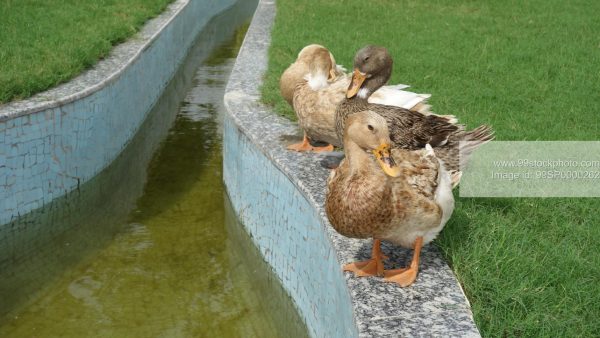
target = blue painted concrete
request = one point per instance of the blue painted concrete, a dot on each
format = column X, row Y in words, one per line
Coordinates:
column 289, row 233
column 46, row 154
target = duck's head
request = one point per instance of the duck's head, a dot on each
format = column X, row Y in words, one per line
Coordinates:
column 369, row 131
column 320, row 59
column 372, row 69
column 314, row 60
column 321, row 67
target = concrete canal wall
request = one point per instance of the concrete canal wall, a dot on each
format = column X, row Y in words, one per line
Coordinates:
column 59, row 139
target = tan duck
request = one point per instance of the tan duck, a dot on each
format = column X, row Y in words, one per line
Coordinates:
column 404, row 197
column 314, row 85
column 408, row 129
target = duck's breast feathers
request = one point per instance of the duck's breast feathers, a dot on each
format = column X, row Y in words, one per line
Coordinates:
column 358, row 204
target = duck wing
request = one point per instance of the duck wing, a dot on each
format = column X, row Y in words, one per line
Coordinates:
column 412, row 130
column 418, row 169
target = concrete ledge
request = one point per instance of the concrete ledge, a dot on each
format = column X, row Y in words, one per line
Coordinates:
column 61, row 138
column 279, row 197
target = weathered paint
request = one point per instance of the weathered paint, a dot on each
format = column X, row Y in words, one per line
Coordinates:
column 289, row 233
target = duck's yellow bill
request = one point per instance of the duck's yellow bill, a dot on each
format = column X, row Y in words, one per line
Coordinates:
column 357, row 79
column 385, row 160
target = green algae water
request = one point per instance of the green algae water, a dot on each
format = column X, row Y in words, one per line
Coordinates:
column 151, row 246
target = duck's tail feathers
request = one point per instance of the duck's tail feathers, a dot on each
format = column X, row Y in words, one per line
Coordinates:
column 471, row 141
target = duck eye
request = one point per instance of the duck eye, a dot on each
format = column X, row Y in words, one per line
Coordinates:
column 370, row 127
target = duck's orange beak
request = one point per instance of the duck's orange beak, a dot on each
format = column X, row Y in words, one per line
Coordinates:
column 357, row 79
column 386, row 161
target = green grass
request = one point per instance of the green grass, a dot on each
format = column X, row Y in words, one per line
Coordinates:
column 530, row 267
column 45, row 43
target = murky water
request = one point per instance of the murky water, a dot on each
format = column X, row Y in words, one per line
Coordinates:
column 150, row 247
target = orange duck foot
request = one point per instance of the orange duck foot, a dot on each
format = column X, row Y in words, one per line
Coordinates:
column 365, row 268
column 305, row 146
column 371, row 267
column 404, row 277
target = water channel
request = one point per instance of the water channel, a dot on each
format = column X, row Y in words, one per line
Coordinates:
column 150, row 247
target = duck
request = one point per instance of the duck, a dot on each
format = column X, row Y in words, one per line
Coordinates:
column 398, row 195
column 408, row 129
column 314, row 85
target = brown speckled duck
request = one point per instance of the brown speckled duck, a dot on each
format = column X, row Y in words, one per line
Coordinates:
column 314, row 85
column 404, row 197
column 408, row 129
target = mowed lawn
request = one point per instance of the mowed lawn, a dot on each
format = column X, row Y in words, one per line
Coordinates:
column 45, row 43
column 529, row 266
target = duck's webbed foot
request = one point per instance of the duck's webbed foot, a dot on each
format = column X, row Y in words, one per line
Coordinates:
column 371, row 267
column 306, row 146
column 406, row 276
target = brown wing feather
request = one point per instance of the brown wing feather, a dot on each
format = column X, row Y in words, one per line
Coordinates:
column 412, row 130
column 408, row 129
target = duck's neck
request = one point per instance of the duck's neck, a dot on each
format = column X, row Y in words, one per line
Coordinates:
column 373, row 83
column 357, row 158
column 360, row 103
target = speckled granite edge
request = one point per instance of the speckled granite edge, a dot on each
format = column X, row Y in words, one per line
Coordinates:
column 102, row 74
column 435, row 305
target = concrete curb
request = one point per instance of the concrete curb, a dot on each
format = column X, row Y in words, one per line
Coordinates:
column 279, row 196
